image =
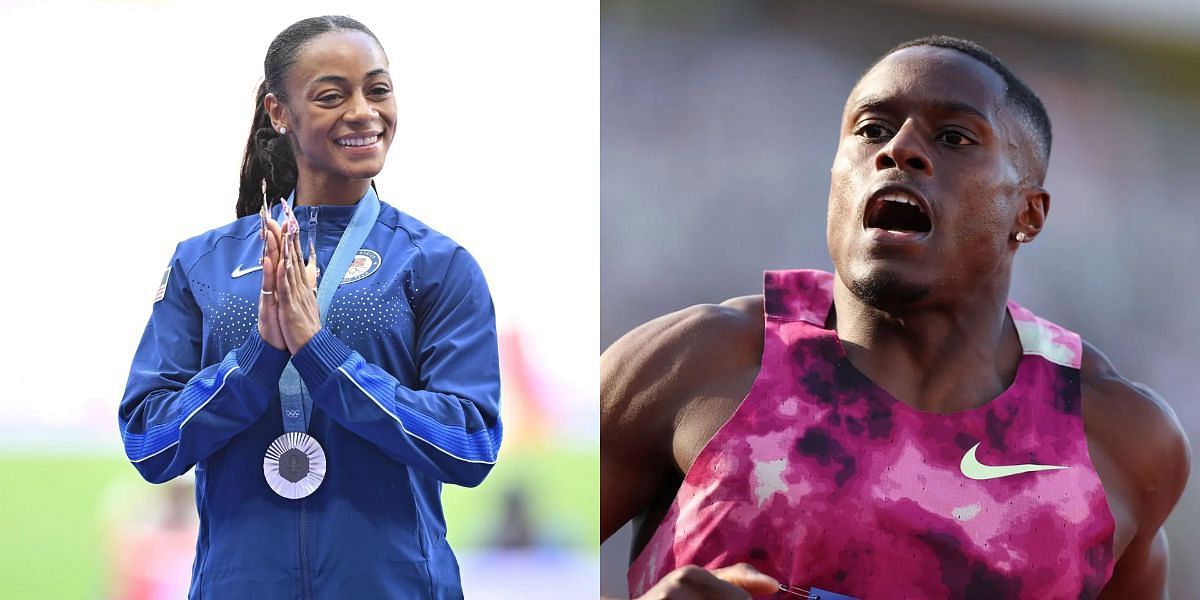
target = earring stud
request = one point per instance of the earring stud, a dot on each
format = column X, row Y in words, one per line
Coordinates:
column 1021, row 237
column 283, row 131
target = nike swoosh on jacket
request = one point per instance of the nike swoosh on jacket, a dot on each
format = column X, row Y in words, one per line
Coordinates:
column 239, row 271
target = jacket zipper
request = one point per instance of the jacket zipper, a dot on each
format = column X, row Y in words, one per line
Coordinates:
column 305, row 558
column 305, row 551
column 312, row 231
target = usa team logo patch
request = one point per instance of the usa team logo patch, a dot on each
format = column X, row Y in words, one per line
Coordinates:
column 365, row 263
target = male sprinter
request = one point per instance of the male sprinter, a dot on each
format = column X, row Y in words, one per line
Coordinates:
column 899, row 428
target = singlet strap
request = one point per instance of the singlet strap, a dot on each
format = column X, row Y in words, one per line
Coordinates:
column 798, row 295
column 1043, row 338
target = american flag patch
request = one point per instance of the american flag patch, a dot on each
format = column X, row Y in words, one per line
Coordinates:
column 162, row 287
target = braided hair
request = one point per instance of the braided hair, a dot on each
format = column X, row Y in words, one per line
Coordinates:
column 268, row 158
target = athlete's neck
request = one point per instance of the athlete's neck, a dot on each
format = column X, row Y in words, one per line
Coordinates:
column 938, row 357
column 315, row 190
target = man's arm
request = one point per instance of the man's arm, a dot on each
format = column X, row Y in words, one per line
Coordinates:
column 1142, row 454
column 1142, row 570
column 665, row 388
column 640, row 396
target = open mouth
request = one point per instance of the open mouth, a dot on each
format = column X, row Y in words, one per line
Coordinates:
column 897, row 211
column 357, row 141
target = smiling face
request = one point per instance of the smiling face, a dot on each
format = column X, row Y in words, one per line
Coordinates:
column 339, row 108
column 932, row 178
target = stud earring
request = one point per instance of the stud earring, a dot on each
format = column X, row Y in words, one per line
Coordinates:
column 1021, row 237
column 283, row 131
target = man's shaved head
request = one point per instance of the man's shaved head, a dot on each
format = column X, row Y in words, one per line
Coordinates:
column 1026, row 103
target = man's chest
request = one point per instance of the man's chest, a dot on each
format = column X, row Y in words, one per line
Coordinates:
column 820, row 486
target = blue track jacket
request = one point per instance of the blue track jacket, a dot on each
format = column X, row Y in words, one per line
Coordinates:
column 404, row 382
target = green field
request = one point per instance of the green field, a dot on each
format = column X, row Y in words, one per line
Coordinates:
column 54, row 511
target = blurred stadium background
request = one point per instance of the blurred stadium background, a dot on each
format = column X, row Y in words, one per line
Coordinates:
column 126, row 122
column 719, row 123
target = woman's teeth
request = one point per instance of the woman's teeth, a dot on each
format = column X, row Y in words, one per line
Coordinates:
column 360, row 141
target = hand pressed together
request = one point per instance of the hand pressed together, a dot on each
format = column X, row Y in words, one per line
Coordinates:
column 287, row 311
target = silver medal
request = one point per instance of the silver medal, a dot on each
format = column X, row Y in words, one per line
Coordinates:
column 294, row 465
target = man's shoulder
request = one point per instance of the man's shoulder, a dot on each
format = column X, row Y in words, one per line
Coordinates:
column 659, row 363
column 700, row 333
column 1137, row 431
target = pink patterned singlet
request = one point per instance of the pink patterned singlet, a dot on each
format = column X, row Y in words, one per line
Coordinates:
column 821, row 478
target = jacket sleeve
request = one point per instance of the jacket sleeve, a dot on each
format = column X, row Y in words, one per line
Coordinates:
column 175, row 411
column 449, row 427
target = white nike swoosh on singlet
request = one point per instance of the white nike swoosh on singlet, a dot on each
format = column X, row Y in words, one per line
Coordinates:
column 971, row 467
column 239, row 271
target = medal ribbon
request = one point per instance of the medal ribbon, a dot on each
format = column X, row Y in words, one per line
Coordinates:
column 293, row 394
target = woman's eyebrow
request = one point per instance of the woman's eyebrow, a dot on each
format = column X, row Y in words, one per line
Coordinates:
column 341, row 79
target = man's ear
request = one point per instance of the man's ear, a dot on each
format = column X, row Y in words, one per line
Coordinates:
column 1031, row 218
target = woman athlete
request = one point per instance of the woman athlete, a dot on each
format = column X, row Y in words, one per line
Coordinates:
column 322, row 412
